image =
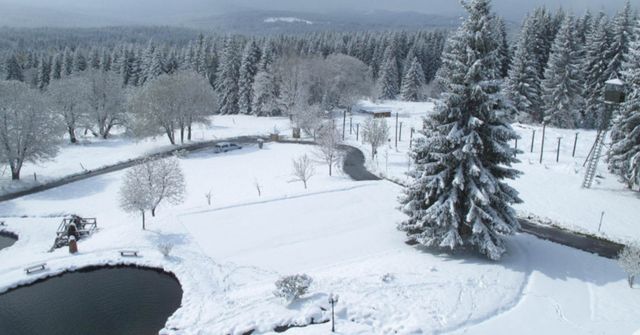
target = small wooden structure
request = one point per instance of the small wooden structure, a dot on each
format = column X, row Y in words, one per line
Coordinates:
column 376, row 113
column 75, row 226
column 614, row 92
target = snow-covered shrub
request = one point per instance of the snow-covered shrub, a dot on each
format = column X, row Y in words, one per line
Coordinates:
column 290, row 288
column 388, row 277
column 165, row 248
column 629, row 260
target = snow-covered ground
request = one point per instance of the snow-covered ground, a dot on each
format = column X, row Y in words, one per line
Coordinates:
column 92, row 153
column 551, row 190
column 228, row 255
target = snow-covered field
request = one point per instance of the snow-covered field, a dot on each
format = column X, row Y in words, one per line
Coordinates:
column 551, row 190
column 228, row 255
column 93, row 153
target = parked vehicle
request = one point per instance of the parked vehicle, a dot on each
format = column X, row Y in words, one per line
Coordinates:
column 226, row 146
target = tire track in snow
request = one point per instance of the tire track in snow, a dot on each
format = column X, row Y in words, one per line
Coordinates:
column 275, row 199
column 520, row 297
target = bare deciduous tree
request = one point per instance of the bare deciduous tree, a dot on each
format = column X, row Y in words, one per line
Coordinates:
column 28, row 130
column 70, row 98
column 147, row 185
column 375, row 132
column 293, row 89
column 171, row 103
column 107, row 101
column 629, row 260
column 329, row 140
column 308, row 118
column 258, row 187
column 349, row 80
column 303, row 169
column 209, row 197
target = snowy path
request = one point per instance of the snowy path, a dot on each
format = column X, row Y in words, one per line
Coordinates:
column 574, row 294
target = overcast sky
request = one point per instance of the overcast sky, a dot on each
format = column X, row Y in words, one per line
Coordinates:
column 505, row 7
column 512, row 9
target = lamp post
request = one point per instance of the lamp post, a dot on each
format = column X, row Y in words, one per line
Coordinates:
column 333, row 300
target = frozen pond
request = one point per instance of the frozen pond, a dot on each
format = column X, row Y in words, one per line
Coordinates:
column 99, row 301
column 6, row 240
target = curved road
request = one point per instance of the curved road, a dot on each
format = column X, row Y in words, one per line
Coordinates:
column 354, row 167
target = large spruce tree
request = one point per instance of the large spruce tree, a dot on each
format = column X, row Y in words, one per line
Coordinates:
column 248, row 71
column 624, row 156
column 523, row 82
column 458, row 196
column 563, row 80
column 597, row 71
column 412, row 82
column 388, row 84
column 228, row 75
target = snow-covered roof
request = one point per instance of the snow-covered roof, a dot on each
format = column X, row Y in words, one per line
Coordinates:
column 615, row 82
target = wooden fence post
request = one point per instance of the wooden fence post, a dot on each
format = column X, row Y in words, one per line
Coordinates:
column 533, row 139
column 558, row 152
column 544, row 130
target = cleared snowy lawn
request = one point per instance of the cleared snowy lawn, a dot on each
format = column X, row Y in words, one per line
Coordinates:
column 92, row 153
column 342, row 233
column 228, row 257
column 551, row 190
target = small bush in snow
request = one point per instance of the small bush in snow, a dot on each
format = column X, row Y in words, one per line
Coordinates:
column 290, row 288
column 388, row 277
column 165, row 249
column 629, row 260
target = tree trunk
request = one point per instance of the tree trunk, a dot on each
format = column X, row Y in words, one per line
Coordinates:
column 153, row 212
column 170, row 136
column 189, row 132
column 182, row 134
column 72, row 135
column 106, row 133
column 330, row 168
column 143, row 223
column 631, row 280
column 15, row 174
column 15, row 169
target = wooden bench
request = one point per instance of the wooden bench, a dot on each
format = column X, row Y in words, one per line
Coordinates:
column 129, row 253
column 36, row 268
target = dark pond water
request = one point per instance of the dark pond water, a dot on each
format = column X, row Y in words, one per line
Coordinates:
column 104, row 301
column 6, row 241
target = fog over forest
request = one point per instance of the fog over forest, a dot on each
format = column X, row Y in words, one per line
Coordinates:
column 185, row 12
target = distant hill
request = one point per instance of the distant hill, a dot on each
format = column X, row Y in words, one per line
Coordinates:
column 275, row 22
column 206, row 16
column 26, row 16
